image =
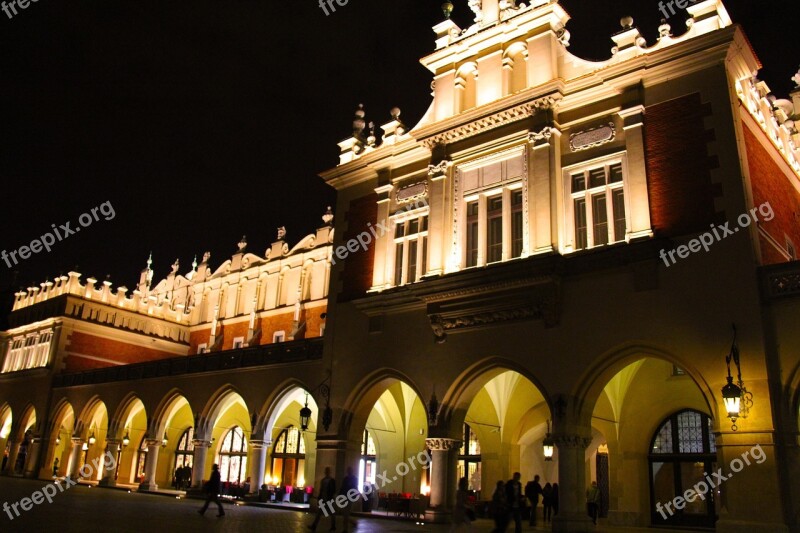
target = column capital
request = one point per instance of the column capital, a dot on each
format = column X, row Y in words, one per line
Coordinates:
column 153, row 442
column 201, row 443
column 76, row 441
column 571, row 441
column 257, row 444
column 442, row 445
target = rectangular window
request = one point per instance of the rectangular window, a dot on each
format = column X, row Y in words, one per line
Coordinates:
column 598, row 204
column 516, row 224
column 410, row 261
column 494, row 219
column 472, row 234
column 202, row 348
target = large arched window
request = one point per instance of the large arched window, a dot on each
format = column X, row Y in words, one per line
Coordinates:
column 184, row 453
column 289, row 458
column 368, row 464
column 682, row 454
column 232, row 457
column 469, row 459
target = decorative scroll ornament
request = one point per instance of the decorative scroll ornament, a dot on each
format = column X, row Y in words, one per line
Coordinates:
column 541, row 136
column 591, row 138
column 438, row 169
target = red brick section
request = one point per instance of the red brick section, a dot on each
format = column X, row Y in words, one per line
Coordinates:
column 678, row 166
column 271, row 324
column 119, row 352
column 314, row 321
column 196, row 338
column 770, row 184
column 357, row 273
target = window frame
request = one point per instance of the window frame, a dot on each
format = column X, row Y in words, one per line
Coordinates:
column 569, row 243
column 403, row 245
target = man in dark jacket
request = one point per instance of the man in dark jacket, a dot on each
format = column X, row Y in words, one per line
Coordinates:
column 327, row 492
column 516, row 501
column 532, row 491
column 212, row 491
column 350, row 483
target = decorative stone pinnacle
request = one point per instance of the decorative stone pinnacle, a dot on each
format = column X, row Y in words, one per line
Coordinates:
column 281, row 233
column 242, row 243
column 327, row 218
column 796, row 79
column 626, row 22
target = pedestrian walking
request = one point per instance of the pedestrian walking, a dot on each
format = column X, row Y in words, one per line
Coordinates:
column 500, row 508
column 516, row 501
column 547, row 503
column 533, row 490
column 327, row 492
column 593, row 501
column 212, row 492
column 463, row 514
column 350, row 482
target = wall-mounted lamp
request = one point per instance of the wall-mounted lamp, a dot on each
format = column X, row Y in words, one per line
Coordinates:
column 736, row 397
column 327, row 413
column 305, row 416
column 126, row 439
column 164, row 440
column 548, row 444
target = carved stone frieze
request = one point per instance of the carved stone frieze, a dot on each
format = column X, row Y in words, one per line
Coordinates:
column 571, row 441
column 442, row 445
column 600, row 135
column 489, row 122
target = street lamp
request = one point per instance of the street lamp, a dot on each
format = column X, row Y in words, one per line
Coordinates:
column 548, row 444
column 735, row 396
column 164, row 440
column 305, row 415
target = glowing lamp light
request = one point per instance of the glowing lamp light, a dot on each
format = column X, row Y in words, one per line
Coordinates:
column 425, row 490
column 164, row 440
column 84, row 447
column 732, row 397
column 305, row 416
column 301, row 481
column 58, row 440
column 548, row 445
column 126, row 439
column 92, row 439
column 276, row 481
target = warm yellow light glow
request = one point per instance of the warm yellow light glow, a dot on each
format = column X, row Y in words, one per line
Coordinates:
column 425, row 490
column 732, row 406
column 6, row 428
column 301, row 481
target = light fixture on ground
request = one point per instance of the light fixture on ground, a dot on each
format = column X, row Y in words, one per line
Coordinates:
column 548, row 445
column 735, row 396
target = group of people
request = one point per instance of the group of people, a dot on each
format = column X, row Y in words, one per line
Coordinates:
column 327, row 493
column 510, row 500
column 183, row 477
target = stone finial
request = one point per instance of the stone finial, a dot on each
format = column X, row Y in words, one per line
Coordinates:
column 358, row 122
column 664, row 30
column 206, row 257
column 371, row 139
column 447, row 9
column 626, row 22
column 175, row 266
column 281, row 233
column 796, row 79
column 477, row 8
column 242, row 243
column 194, row 264
column 327, row 218
column 395, row 113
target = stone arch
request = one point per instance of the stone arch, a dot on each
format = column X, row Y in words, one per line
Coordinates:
column 594, row 380
column 277, row 402
column 515, row 64
column 27, row 420
column 169, row 404
column 459, row 396
column 83, row 422
column 117, row 422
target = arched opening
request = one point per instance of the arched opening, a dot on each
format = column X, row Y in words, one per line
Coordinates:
column 682, row 454
column 5, row 432
column 141, row 460
column 56, row 463
column 27, row 428
column 173, row 420
column 639, row 395
column 501, row 417
column 292, row 457
column 230, row 438
column 93, row 426
column 132, row 426
column 388, row 428
column 516, row 61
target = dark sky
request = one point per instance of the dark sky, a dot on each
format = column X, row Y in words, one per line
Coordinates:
column 201, row 121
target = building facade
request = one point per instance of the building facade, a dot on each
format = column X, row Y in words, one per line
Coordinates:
column 554, row 255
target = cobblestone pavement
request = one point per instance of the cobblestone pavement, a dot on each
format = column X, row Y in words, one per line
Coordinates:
column 81, row 509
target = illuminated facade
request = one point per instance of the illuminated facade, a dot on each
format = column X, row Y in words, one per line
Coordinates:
column 523, row 292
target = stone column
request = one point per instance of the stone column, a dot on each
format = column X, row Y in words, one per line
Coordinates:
column 149, row 483
column 109, row 478
column 539, row 202
column 75, row 459
column 637, row 195
column 572, row 513
column 437, row 218
column 199, row 462
column 443, row 480
column 258, row 463
column 31, row 469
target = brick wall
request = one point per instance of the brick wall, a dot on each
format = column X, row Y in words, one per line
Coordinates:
column 770, row 184
column 117, row 352
column 196, row 338
column 679, row 167
column 357, row 273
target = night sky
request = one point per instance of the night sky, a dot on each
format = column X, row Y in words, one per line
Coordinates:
column 203, row 121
